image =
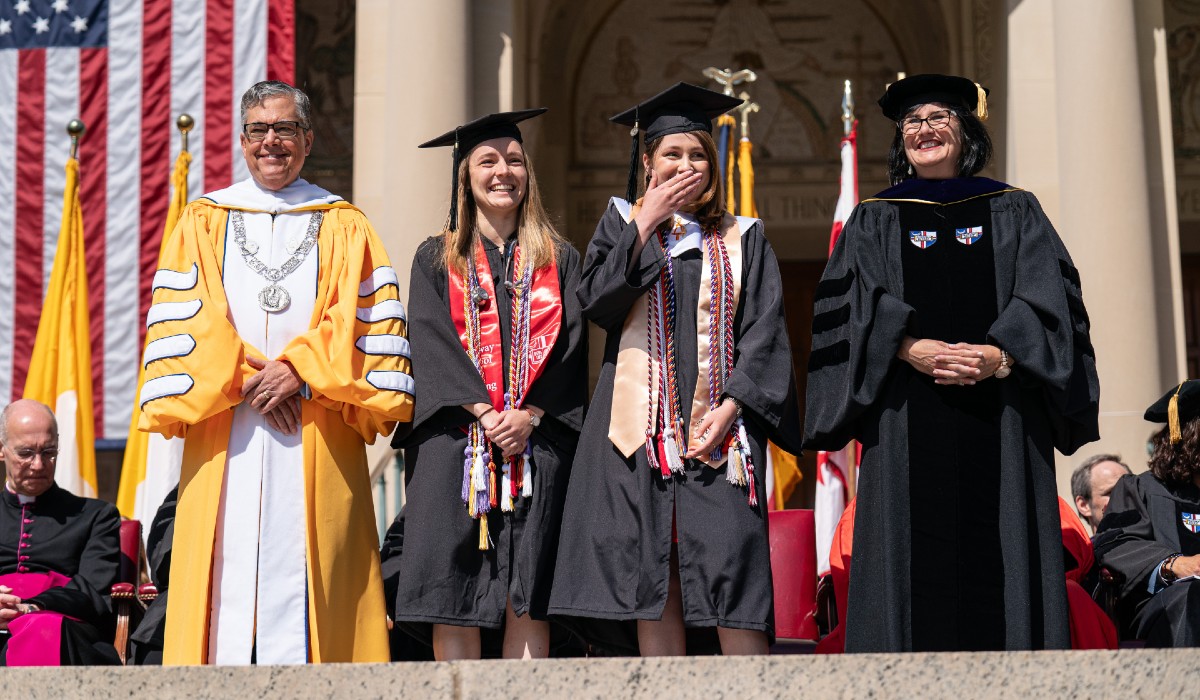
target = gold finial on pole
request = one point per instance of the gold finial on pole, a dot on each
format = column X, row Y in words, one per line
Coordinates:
column 728, row 78
column 745, row 108
column 185, row 123
column 847, row 108
column 75, row 128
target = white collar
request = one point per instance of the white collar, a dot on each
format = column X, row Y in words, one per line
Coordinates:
column 20, row 497
column 248, row 195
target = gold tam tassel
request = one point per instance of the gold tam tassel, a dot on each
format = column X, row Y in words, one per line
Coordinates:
column 1173, row 417
column 981, row 109
column 483, row 533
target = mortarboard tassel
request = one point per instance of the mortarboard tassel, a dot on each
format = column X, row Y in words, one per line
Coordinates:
column 454, row 185
column 1173, row 417
column 631, row 186
column 981, row 109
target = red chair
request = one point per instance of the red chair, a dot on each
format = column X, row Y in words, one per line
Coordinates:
column 794, row 573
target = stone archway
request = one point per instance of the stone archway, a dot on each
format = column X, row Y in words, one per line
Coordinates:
column 595, row 59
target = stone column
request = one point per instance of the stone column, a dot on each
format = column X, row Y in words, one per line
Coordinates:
column 1107, row 217
column 492, row 59
column 1031, row 159
column 412, row 83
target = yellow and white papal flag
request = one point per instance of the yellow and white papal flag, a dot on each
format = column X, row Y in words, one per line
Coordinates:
column 151, row 465
column 60, row 369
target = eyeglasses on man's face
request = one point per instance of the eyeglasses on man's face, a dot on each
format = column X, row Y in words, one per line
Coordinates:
column 257, row 131
column 937, row 120
column 27, row 456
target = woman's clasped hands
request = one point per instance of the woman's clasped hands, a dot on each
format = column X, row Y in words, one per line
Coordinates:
column 509, row 430
column 951, row 363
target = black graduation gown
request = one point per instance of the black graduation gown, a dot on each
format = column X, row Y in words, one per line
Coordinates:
column 957, row 542
column 80, row 539
column 1147, row 521
column 613, row 557
column 442, row 575
column 147, row 641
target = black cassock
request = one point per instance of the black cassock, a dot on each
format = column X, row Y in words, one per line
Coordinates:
column 80, row 539
column 614, row 554
column 957, row 542
column 1147, row 521
column 442, row 576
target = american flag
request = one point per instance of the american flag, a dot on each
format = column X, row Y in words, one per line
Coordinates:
column 127, row 68
column 833, row 468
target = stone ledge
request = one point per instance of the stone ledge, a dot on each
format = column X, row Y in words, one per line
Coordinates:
column 1023, row 675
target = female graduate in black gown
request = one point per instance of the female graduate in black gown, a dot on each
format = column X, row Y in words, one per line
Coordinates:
column 499, row 351
column 1150, row 534
column 950, row 338
column 665, row 526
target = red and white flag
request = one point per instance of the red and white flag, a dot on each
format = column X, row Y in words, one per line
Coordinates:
column 127, row 68
column 834, row 468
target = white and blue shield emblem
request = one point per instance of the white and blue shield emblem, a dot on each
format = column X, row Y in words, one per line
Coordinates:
column 967, row 236
column 1191, row 521
column 923, row 239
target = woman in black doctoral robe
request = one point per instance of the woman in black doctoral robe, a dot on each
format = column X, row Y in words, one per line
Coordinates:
column 499, row 352
column 665, row 527
column 936, row 291
column 1150, row 534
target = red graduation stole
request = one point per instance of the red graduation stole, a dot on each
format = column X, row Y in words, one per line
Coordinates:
column 536, row 321
column 545, row 321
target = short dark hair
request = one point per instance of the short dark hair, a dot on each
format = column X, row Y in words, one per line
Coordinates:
column 1176, row 464
column 1081, row 478
column 976, row 150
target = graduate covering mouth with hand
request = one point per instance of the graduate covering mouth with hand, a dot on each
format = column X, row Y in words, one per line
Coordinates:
column 938, row 290
column 665, row 528
column 499, row 348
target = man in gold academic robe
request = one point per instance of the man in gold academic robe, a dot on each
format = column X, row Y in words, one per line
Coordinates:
column 277, row 347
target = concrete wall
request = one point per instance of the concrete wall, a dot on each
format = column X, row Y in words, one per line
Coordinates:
column 1017, row 675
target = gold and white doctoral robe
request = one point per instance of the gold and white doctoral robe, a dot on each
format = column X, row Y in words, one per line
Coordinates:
column 275, row 540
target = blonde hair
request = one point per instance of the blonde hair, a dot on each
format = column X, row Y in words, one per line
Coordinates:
column 710, row 206
column 535, row 232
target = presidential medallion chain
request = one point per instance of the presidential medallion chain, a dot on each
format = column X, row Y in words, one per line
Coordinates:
column 274, row 298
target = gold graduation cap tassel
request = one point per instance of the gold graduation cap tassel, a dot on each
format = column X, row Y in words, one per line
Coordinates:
column 631, row 185
column 981, row 110
column 1173, row 417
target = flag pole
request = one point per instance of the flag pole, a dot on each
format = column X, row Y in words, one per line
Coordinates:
column 185, row 123
column 847, row 109
column 75, row 129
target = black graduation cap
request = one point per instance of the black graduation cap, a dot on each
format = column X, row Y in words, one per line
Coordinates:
column 1179, row 404
column 679, row 109
column 906, row 93
column 464, row 138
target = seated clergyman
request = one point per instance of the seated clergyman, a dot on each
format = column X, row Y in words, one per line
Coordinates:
column 1150, row 534
column 59, row 553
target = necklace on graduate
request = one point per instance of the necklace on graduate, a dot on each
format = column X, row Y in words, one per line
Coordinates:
column 273, row 298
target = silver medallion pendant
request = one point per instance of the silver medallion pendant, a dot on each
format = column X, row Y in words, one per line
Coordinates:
column 274, row 298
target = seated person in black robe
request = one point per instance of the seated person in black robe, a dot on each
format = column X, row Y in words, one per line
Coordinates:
column 1148, row 536
column 146, row 642
column 59, row 553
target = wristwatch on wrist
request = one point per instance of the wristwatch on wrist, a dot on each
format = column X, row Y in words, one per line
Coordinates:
column 1003, row 370
column 1165, row 573
column 534, row 419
